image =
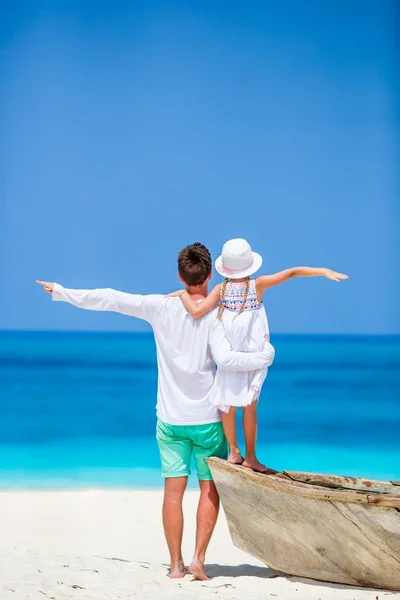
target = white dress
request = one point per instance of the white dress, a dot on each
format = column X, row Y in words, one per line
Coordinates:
column 246, row 333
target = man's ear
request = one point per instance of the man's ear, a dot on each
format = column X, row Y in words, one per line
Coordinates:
column 210, row 275
column 181, row 278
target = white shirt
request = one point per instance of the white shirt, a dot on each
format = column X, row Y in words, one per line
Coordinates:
column 187, row 350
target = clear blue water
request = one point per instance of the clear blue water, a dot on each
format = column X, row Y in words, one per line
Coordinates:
column 77, row 410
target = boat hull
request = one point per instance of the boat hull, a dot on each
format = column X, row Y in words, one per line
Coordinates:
column 341, row 536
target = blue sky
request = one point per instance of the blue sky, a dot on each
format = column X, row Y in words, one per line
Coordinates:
column 131, row 129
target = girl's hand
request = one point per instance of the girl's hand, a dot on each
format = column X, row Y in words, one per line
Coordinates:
column 334, row 276
column 48, row 287
column 174, row 294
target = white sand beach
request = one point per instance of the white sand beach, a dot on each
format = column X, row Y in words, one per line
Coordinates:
column 109, row 544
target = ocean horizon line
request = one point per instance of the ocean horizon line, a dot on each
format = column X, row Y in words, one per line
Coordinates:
column 141, row 333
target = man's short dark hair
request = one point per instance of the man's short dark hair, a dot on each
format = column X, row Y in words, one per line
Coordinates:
column 194, row 264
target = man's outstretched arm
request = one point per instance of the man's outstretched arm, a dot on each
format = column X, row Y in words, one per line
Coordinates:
column 106, row 299
column 230, row 360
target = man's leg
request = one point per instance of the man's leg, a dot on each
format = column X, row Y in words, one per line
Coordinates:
column 207, row 514
column 173, row 523
column 175, row 453
column 208, row 440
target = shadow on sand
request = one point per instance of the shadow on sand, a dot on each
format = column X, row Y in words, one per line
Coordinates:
column 213, row 570
column 239, row 571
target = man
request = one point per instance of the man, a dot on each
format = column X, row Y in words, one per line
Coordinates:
column 187, row 350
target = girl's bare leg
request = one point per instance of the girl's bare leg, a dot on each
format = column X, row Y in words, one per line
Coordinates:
column 229, row 425
column 250, row 436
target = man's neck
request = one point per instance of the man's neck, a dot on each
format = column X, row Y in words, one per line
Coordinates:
column 198, row 292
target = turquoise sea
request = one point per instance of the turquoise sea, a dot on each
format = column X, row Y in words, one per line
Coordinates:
column 77, row 410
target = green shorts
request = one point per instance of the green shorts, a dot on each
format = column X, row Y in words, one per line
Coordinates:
column 178, row 442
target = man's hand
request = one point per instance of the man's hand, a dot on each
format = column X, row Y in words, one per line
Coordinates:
column 48, row 287
column 334, row 276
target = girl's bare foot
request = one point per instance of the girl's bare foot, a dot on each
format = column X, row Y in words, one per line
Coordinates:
column 196, row 567
column 253, row 463
column 235, row 458
column 177, row 571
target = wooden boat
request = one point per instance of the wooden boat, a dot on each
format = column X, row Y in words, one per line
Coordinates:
column 326, row 527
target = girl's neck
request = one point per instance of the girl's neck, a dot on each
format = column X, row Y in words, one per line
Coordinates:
column 241, row 280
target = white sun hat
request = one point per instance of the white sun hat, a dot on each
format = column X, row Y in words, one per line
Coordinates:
column 237, row 260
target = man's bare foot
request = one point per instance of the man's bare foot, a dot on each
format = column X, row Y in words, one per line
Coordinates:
column 235, row 458
column 253, row 463
column 196, row 567
column 177, row 571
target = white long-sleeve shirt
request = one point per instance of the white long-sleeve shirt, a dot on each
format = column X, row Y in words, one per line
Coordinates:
column 187, row 350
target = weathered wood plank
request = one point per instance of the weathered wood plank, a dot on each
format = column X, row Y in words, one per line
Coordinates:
column 312, row 534
column 299, row 488
column 384, row 500
column 340, row 481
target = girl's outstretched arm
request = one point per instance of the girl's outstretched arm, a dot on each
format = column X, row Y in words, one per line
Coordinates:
column 198, row 309
column 267, row 281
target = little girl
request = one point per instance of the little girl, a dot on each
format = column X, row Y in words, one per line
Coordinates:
column 246, row 327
